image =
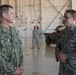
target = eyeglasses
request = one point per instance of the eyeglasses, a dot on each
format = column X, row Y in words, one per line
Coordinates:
column 66, row 17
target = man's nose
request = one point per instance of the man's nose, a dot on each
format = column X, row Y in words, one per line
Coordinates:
column 63, row 21
column 64, row 18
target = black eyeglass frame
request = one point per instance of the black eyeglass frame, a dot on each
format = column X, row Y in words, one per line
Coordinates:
column 67, row 17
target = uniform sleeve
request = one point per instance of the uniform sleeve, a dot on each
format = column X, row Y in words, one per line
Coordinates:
column 21, row 40
column 19, row 52
column 57, row 49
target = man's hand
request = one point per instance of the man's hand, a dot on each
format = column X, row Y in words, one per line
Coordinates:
column 19, row 71
column 63, row 57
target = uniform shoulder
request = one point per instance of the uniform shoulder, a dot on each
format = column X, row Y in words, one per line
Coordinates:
column 12, row 27
column 73, row 28
column 13, row 30
column 1, row 28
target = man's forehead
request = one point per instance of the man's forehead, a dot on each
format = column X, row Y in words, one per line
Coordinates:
column 67, row 14
column 11, row 10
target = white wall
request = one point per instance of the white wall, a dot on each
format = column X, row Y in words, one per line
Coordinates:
column 74, row 4
column 47, row 14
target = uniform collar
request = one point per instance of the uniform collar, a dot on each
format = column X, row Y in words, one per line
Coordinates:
column 4, row 29
column 73, row 27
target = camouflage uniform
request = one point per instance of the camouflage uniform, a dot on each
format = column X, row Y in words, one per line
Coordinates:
column 10, row 51
column 35, row 37
column 68, row 46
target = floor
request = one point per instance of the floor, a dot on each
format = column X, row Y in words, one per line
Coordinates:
column 39, row 61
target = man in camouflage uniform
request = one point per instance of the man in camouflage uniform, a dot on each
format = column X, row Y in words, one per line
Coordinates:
column 11, row 57
column 67, row 50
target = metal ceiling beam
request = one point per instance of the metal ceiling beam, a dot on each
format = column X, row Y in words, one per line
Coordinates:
column 55, row 7
column 57, row 15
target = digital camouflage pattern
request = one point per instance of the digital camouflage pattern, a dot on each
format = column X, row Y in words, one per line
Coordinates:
column 11, row 56
column 68, row 47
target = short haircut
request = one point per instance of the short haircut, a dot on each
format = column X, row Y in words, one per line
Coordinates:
column 72, row 12
column 4, row 9
column 37, row 27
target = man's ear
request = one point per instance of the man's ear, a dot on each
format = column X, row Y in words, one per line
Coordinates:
column 4, row 15
column 74, row 18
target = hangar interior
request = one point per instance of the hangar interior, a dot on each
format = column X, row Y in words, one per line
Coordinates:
column 47, row 14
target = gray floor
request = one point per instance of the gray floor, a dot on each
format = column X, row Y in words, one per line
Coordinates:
column 41, row 61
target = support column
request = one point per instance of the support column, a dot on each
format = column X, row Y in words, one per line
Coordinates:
column 73, row 4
